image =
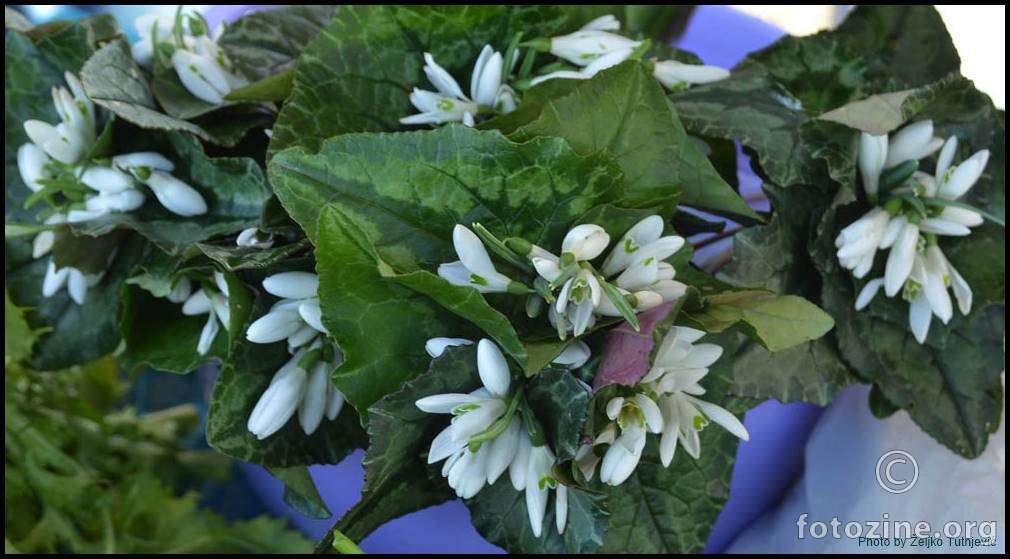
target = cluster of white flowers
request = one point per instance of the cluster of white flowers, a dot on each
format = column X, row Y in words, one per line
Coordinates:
column 64, row 150
column 667, row 402
column 633, row 278
column 594, row 48
column 911, row 208
column 489, row 94
column 202, row 67
column 486, row 436
column 303, row 383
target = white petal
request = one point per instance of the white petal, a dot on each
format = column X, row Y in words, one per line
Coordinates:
column 701, row 355
column 560, row 74
column 279, row 401
column 177, row 196
column 614, row 407
column 302, row 336
column 201, row 76
column 911, row 142
column 150, row 159
column 603, row 23
column 939, row 226
column 671, row 430
column 478, row 70
column 963, row 216
column 919, row 317
column 207, row 335
column 32, row 161
column 493, row 368
column 312, row 314
column 436, row 346
column 474, row 256
column 872, row 155
column 520, row 464
column 442, row 446
column 547, row 268
column 892, row 231
column 273, row 327
column 573, row 356
column 445, row 403
column 106, row 179
column 502, row 450
column 473, row 422
column 334, row 402
column 125, row 201
column 292, row 285
column 609, row 60
column 198, row 303
column 653, row 417
column 561, row 507
column 77, row 286
column 722, row 417
column 536, row 504
column 489, row 80
column 900, row 259
column 868, row 292
column 964, row 176
column 935, row 287
column 584, row 46
column 946, row 157
column 313, row 406
column 441, row 79
column 586, row 241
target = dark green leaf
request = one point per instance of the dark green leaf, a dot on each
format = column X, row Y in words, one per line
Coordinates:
column 556, row 396
column 113, row 80
column 18, row 335
column 268, row 42
column 810, row 372
column 357, row 74
column 499, row 513
column 233, row 258
column 625, row 111
column 272, row 88
column 300, row 492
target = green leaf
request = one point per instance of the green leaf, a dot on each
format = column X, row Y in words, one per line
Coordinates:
column 159, row 335
column 19, row 337
column 397, row 478
column 90, row 255
column 233, row 258
column 357, row 74
column 625, row 111
column 556, row 395
column 397, row 219
column 300, row 492
column 79, row 333
column 775, row 256
column 810, row 372
column 267, row 43
column 113, row 80
column 673, row 510
column 777, row 322
column 498, row 512
column 233, row 187
column 272, row 88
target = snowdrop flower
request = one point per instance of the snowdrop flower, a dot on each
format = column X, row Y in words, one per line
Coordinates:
column 299, row 387
column 635, row 417
column 679, row 365
column 68, row 141
column 32, row 165
column 577, row 300
column 76, row 282
column 204, row 77
column 858, row 242
column 676, row 75
column 602, row 63
column 210, row 301
column 251, row 238
column 296, row 317
column 448, row 103
column 201, row 66
column 926, row 290
column 913, row 142
column 591, row 42
column 467, row 470
column 585, row 242
column 474, row 267
column 872, row 156
column 574, row 355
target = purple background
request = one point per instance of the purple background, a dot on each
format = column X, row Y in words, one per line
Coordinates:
column 766, row 465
